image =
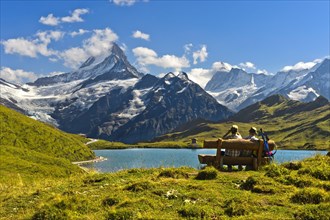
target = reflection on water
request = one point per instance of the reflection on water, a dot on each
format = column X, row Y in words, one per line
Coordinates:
column 147, row 158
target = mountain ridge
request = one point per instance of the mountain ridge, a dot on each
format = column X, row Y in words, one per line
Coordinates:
column 238, row 89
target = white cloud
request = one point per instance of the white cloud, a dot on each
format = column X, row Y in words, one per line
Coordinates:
column 98, row 45
column 55, row 73
column 144, row 52
column 74, row 17
column 49, row 20
column 202, row 76
column 200, row 54
column 187, row 48
column 73, row 57
column 32, row 48
column 139, row 34
column 146, row 56
column 221, row 66
column 247, row 65
column 262, row 71
column 100, row 42
column 17, row 76
column 124, row 2
column 79, row 32
column 299, row 66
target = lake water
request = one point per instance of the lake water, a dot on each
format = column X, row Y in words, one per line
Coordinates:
column 147, row 158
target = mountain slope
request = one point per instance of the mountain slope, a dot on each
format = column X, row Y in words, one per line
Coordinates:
column 276, row 106
column 25, row 133
column 292, row 124
column 234, row 87
column 173, row 101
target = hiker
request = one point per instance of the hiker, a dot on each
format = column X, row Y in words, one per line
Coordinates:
column 251, row 137
column 249, row 153
column 232, row 134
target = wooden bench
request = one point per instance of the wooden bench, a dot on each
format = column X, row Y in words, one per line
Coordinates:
column 219, row 160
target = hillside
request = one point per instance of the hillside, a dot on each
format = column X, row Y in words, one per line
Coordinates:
column 23, row 132
column 30, row 149
column 292, row 124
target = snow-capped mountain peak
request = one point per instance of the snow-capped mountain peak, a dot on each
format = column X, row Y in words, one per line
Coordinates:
column 114, row 66
column 237, row 89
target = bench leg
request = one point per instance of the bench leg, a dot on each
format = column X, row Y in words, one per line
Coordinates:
column 221, row 163
column 255, row 164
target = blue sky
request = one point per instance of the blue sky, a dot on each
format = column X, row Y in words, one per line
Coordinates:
column 47, row 37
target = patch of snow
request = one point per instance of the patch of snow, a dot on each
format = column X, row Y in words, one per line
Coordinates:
column 136, row 105
column 301, row 93
column 182, row 90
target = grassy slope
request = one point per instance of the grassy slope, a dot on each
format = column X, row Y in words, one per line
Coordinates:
column 290, row 130
column 28, row 164
column 22, row 132
column 297, row 190
column 31, row 150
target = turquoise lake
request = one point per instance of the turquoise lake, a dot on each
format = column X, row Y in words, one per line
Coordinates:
column 148, row 158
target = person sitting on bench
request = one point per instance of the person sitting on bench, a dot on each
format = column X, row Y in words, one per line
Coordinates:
column 233, row 134
column 251, row 137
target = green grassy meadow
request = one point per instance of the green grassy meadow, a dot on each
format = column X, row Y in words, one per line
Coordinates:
column 298, row 190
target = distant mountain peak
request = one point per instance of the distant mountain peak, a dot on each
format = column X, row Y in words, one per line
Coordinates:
column 116, row 50
column 169, row 75
column 183, row 76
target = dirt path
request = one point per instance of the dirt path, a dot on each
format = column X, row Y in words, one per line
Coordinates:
column 97, row 159
column 91, row 141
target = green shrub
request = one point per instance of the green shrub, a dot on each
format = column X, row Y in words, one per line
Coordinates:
column 297, row 181
column 321, row 173
column 95, row 179
column 173, row 173
column 326, row 187
column 293, row 165
column 50, row 213
column 192, row 212
column 140, row 186
column 236, row 207
column 110, row 201
column 263, row 189
column 208, row 174
column 309, row 196
column 315, row 212
column 274, row 170
column 121, row 214
column 249, row 183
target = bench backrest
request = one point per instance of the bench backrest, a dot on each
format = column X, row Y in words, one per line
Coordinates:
column 237, row 144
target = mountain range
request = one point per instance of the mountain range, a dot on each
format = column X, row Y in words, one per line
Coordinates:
column 110, row 99
column 237, row 89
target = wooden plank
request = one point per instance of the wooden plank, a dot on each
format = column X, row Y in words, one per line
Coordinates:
column 237, row 144
column 237, row 160
column 206, row 159
column 211, row 144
